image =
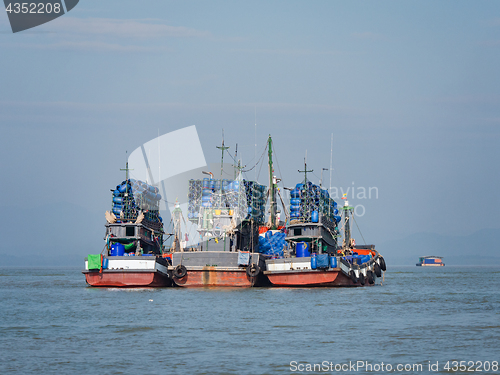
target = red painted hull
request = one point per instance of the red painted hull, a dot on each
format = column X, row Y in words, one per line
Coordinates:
column 210, row 276
column 311, row 278
column 127, row 279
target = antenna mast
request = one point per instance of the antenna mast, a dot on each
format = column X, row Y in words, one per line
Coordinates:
column 331, row 166
column 222, row 148
column 272, row 187
column 126, row 174
column 306, row 189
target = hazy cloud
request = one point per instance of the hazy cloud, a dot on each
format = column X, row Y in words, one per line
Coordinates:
column 121, row 28
column 89, row 46
column 286, row 51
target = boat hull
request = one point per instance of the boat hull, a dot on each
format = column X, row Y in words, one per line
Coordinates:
column 126, row 279
column 311, row 278
column 430, row 265
column 213, row 277
column 216, row 269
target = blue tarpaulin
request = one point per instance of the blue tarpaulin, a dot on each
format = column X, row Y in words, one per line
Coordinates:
column 322, row 261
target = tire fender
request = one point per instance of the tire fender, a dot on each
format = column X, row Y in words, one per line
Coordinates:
column 253, row 270
column 377, row 270
column 382, row 264
column 180, row 271
column 353, row 277
column 369, row 276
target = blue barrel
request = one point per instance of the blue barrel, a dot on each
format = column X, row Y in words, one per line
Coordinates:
column 302, row 249
column 117, row 199
column 117, row 250
column 211, row 184
column 333, row 262
column 315, row 216
column 206, row 183
column 123, row 187
column 294, row 201
column 314, row 261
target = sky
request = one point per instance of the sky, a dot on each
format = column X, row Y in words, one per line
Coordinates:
column 409, row 90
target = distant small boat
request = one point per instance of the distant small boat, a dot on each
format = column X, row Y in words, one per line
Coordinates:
column 430, row 261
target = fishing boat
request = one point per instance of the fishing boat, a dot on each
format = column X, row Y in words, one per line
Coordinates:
column 227, row 215
column 132, row 255
column 314, row 256
column 430, row 261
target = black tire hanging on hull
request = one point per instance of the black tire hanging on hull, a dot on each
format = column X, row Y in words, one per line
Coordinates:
column 382, row 264
column 369, row 276
column 377, row 270
column 180, row 271
column 353, row 277
column 253, row 270
column 362, row 278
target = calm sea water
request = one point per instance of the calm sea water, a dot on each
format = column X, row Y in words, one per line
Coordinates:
column 53, row 323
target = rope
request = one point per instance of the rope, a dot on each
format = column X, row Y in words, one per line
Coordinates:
column 359, row 229
column 258, row 162
column 278, row 163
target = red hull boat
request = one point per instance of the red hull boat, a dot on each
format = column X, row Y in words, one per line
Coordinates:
column 311, row 278
column 109, row 278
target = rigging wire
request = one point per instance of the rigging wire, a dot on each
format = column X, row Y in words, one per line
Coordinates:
column 319, row 178
column 354, row 218
column 282, row 183
column 231, row 156
column 278, row 163
column 258, row 162
column 260, row 169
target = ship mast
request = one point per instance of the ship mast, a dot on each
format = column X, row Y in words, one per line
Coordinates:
column 347, row 224
column 272, row 185
column 222, row 148
column 306, row 214
column 126, row 177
